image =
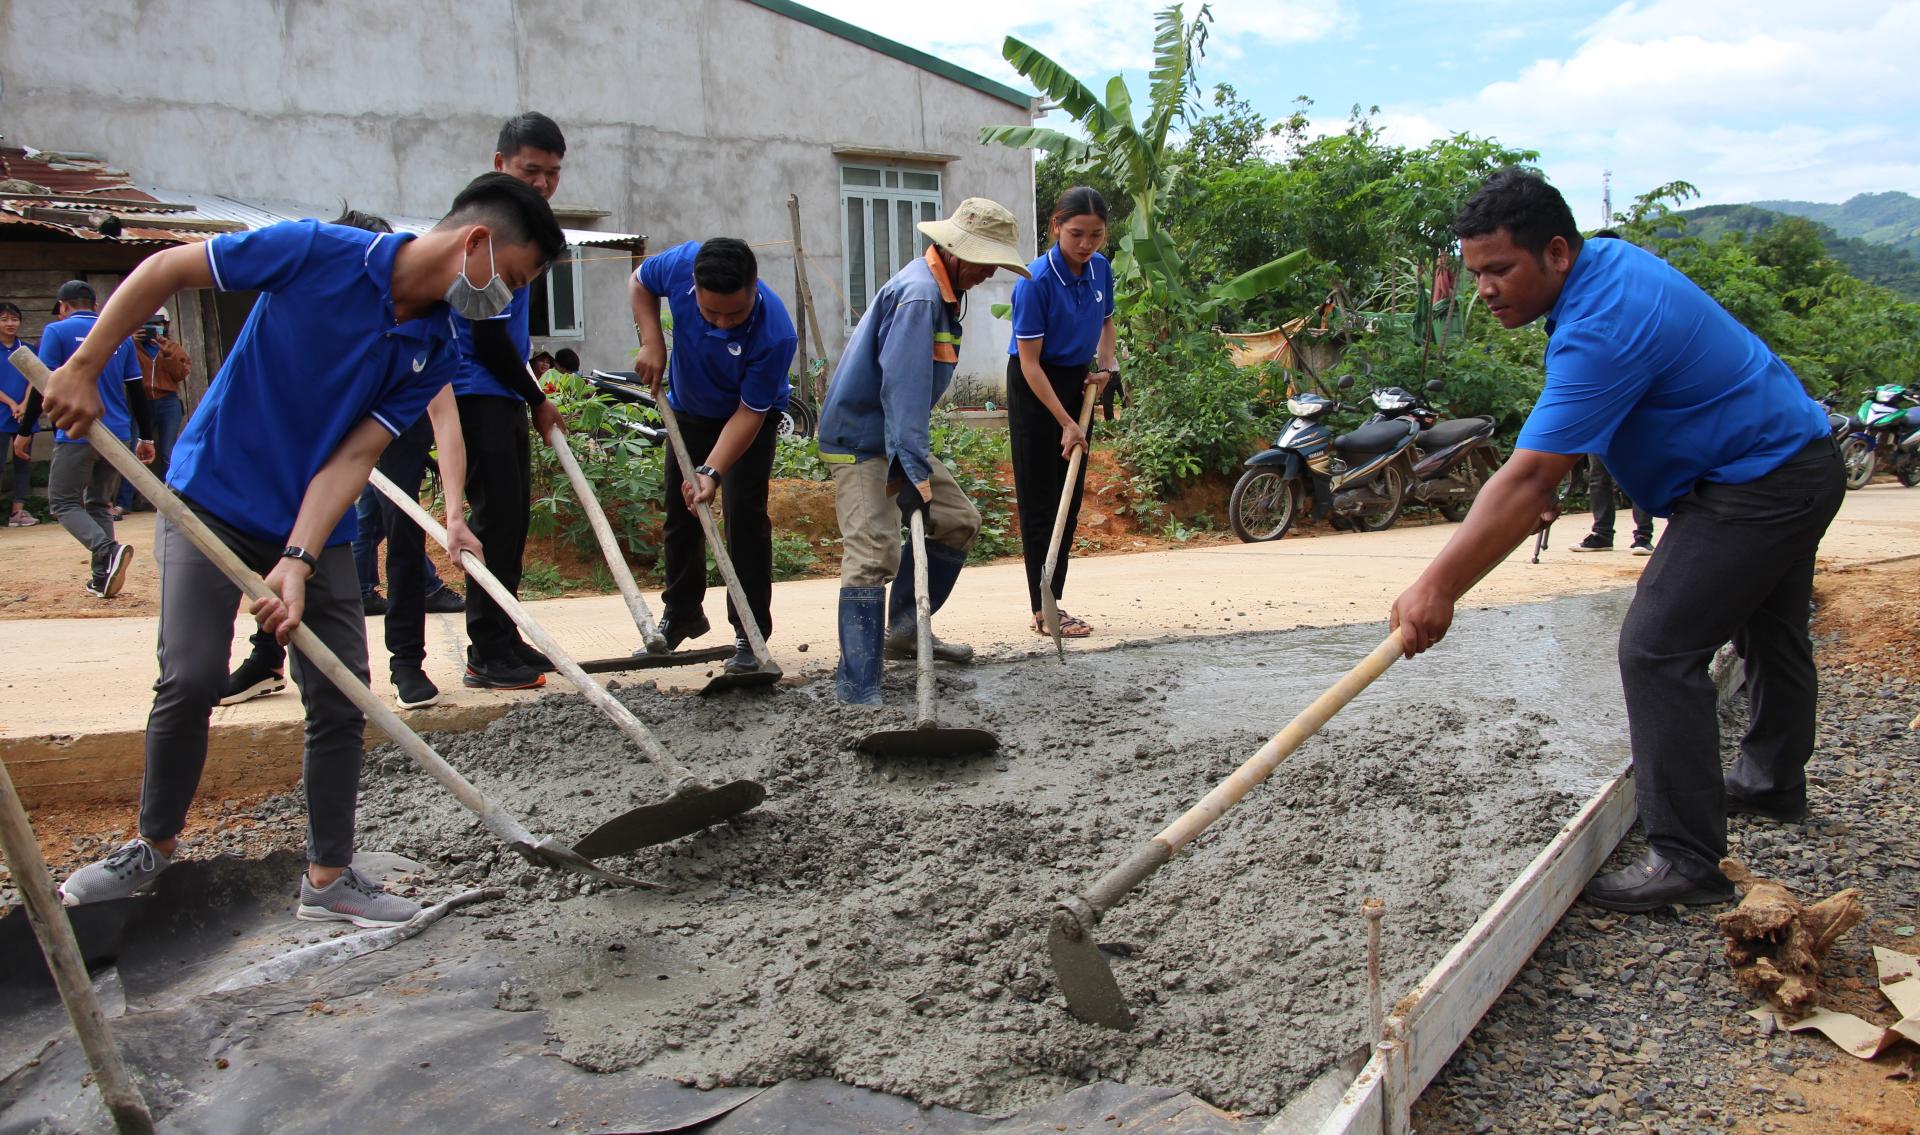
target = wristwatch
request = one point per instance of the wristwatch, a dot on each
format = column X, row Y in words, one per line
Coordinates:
column 707, row 471
column 294, row 552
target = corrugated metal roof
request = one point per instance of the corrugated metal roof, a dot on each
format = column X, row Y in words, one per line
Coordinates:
column 72, row 175
column 260, row 214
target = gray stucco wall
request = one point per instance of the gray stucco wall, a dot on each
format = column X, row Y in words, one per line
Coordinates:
column 684, row 119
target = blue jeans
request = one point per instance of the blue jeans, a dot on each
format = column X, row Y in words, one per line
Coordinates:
column 168, row 414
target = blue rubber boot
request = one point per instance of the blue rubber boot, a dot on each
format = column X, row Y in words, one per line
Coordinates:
column 857, row 681
column 943, row 570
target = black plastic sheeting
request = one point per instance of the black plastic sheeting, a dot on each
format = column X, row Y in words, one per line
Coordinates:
column 405, row 1039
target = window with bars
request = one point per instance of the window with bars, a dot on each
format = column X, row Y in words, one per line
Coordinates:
column 879, row 207
column 554, row 307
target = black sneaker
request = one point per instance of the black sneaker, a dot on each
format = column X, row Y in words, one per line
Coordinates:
column 1593, row 544
column 373, row 603
column 97, row 586
column 412, row 689
column 1642, row 548
column 252, row 679
column 530, row 657
column 117, row 565
column 744, row 661
column 501, row 674
column 446, row 601
column 679, row 630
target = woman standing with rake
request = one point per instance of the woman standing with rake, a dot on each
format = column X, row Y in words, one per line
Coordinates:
column 1062, row 332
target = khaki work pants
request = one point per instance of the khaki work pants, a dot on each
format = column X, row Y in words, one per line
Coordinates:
column 870, row 520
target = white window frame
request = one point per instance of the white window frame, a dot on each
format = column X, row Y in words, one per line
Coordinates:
column 893, row 196
column 570, row 263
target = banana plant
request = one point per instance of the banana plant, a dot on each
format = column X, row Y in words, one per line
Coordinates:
column 1149, row 268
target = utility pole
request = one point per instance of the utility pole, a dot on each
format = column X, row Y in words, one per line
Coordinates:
column 1606, row 198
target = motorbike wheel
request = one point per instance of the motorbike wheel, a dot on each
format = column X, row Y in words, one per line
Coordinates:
column 1858, row 460
column 1909, row 472
column 1263, row 505
column 1393, row 486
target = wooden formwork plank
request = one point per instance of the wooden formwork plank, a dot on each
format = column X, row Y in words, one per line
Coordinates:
column 1430, row 1022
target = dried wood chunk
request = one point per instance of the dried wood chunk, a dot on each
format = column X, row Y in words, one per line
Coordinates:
column 1775, row 944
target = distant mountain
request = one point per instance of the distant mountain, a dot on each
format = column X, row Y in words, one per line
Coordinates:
column 1888, row 265
column 1877, row 218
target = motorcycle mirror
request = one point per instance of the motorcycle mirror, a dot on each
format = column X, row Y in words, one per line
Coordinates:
column 1436, row 385
column 1346, row 382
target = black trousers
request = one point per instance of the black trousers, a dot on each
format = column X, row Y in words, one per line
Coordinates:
column 748, row 531
column 1600, row 491
column 1735, row 563
column 405, row 464
column 1039, row 472
column 499, row 496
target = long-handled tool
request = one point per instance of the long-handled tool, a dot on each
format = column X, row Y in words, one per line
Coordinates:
column 543, row 850
column 1083, row 973
column 656, row 652
column 927, row 738
column 691, row 806
column 1049, row 606
column 49, row 919
column 768, row 672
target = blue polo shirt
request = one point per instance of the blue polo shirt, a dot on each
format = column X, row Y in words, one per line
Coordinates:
column 716, row 372
column 58, row 342
column 473, row 377
column 1648, row 371
column 16, row 386
column 1063, row 310
column 320, row 354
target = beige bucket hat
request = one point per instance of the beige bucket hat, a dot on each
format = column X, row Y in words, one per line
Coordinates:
column 980, row 232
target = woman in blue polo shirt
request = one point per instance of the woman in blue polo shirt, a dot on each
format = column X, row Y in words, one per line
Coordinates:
column 1062, row 329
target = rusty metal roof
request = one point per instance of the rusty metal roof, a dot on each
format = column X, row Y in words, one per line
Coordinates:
column 72, row 175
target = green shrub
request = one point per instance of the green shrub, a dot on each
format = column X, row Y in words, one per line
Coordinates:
column 798, row 458
column 1193, row 412
column 627, row 473
column 973, row 457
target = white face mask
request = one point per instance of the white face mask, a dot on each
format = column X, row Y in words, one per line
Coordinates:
column 479, row 302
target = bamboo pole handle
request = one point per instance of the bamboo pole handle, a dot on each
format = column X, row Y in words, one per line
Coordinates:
column 50, row 926
column 720, row 558
column 923, row 628
column 609, row 547
column 304, row 640
column 1066, row 499
column 678, row 778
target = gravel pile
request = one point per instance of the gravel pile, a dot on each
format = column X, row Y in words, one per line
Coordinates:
column 1633, row 1023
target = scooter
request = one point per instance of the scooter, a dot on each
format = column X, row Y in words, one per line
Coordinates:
column 1452, row 459
column 1360, row 477
column 1887, row 430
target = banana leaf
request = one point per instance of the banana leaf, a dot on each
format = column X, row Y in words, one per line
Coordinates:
column 1058, row 84
column 1270, row 276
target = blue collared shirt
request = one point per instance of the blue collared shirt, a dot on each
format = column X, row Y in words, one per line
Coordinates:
column 716, row 372
column 16, row 386
column 471, row 375
column 1648, row 371
column 320, row 354
column 58, row 342
column 1066, row 312
column 896, row 366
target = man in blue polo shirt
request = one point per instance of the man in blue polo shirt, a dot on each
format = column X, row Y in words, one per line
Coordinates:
column 495, row 393
column 1702, row 424
column 350, row 339
column 732, row 345
column 80, row 483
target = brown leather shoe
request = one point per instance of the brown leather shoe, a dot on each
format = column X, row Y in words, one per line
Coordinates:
column 1650, row 884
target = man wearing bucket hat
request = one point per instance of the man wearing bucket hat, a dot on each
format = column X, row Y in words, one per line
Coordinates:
column 874, row 434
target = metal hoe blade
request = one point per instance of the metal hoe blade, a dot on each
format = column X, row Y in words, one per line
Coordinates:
column 678, row 815
column 768, row 673
column 1083, row 974
column 651, row 661
column 936, row 742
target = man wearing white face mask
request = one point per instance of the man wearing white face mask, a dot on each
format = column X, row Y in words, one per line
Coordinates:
column 356, row 340
column 495, row 393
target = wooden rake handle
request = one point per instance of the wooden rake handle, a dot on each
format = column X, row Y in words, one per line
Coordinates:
column 609, row 547
column 923, row 628
column 1065, row 506
column 507, row 828
column 636, row 731
column 720, row 557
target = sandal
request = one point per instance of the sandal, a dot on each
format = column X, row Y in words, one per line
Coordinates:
column 1070, row 627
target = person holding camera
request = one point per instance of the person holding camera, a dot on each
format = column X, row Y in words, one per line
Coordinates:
column 163, row 370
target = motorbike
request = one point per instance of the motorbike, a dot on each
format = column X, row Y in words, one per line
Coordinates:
column 1360, row 477
column 1452, row 459
column 1885, row 430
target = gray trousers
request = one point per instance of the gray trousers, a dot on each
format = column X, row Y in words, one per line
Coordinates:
column 80, row 488
column 1735, row 562
column 197, row 604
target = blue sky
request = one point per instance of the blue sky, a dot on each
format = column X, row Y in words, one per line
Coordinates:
column 1747, row 101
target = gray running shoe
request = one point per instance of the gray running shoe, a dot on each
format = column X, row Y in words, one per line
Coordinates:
column 136, row 864
column 352, row 898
